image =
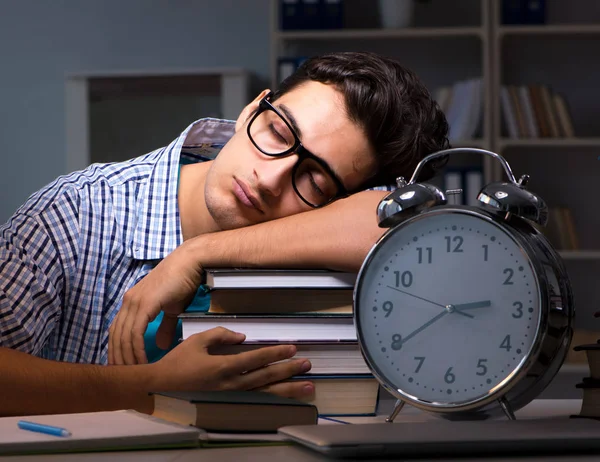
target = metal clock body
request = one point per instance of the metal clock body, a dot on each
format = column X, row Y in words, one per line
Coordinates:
column 463, row 311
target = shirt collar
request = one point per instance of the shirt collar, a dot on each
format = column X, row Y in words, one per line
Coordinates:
column 158, row 230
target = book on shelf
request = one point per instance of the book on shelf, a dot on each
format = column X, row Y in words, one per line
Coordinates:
column 311, row 14
column 95, row 431
column 469, row 180
column 462, row 103
column 274, row 328
column 268, row 301
column 326, row 358
column 232, row 411
column 252, row 278
column 534, row 111
column 560, row 229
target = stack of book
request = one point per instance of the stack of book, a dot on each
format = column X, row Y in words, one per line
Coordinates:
column 311, row 309
column 590, row 405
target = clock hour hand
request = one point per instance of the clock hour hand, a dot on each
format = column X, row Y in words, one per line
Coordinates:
column 473, row 305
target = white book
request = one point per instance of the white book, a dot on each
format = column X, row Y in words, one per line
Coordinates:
column 95, row 431
column 530, row 120
column 271, row 329
column 243, row 278
column 454, row 180
column 473, row 185
column 508, row 111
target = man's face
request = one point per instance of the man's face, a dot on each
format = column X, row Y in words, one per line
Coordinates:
column 245, row 186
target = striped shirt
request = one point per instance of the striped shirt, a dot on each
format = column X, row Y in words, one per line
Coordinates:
column 69, row 254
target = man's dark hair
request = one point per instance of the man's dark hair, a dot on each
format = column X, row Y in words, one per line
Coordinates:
column 389, row 102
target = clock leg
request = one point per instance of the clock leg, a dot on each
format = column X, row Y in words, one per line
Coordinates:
column 505, row 405
column 397, row 408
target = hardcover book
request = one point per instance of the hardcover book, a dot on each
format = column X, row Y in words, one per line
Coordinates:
column 233, row 411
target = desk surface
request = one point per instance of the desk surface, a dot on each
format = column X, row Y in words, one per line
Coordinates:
column 292, row 453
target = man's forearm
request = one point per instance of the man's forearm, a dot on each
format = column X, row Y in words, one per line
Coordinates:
column 338, row 236
column 30, row 385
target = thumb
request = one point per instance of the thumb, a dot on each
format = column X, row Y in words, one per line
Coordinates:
column 221, row 336
column 166, row 331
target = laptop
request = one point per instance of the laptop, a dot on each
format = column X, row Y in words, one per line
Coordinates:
column 441, row 437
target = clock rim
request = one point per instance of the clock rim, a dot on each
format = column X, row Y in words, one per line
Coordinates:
column 520, row 371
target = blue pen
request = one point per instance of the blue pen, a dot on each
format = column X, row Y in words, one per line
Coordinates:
column 41, row 428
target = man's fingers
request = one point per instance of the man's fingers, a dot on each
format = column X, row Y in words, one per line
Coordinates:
column 219, row 336
column 111, row 338
column 255, row 359
column 166, row 331
column 127, row 326
column 115, row 338
column 274, row 373
column 293, row 389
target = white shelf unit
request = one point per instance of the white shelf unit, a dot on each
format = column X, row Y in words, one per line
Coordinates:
column 158, row 104
column 561, row 53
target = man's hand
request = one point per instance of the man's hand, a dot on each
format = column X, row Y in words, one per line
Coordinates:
column 169, row 287
column 189, row 366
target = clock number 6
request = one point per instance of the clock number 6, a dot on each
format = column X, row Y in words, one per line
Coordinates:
column 449, row 377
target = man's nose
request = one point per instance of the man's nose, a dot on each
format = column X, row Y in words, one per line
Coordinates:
column 274, row 174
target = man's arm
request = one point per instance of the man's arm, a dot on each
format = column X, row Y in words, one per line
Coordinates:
column 338, row 236
column 31, row 385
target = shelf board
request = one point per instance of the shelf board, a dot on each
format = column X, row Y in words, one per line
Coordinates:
column 469, row 143
column 580, row 254
column 427, row 32
column 550, row 142
column 551, row 29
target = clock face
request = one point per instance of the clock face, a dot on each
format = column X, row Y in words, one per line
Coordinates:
column 448, row 307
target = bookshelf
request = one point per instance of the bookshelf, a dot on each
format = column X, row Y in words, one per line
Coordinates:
column 449, row 41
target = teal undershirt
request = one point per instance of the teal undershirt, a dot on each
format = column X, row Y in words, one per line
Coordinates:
column 200, row 302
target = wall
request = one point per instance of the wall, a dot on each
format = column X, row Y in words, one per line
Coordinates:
column 42, row 41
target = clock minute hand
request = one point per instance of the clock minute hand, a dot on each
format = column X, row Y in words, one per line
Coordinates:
column 423, row 327
column 429, row 301
column 416, row 296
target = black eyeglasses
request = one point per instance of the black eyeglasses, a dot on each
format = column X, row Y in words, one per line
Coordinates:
column 313, row 180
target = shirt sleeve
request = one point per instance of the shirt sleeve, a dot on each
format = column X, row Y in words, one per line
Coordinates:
column 31, row 284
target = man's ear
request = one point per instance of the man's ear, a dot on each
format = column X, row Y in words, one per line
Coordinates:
column 248, row 110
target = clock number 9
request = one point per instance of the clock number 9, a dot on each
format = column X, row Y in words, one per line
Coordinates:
column 387, row 307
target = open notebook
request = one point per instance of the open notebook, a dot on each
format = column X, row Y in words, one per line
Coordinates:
column 95, row 431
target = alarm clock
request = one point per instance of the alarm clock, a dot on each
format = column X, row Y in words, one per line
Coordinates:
column 462, row 311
